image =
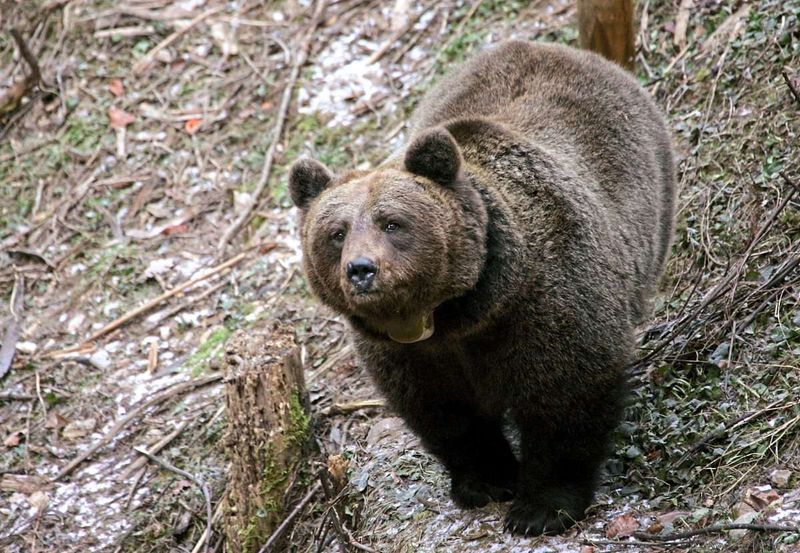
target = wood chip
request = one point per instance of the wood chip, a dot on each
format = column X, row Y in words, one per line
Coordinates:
column 682, row 22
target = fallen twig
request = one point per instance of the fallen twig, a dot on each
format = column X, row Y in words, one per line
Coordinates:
column 288, row 92
column 140, row 65
column 10, row 100
column 729, row 280
column 682, row 22
column 714, row 529
column 791, row 86
column 123, row 422
column 158, row 446
column 378, row 54
column 350, row 407
column 214, row 520
column 333, row 510
column 634, row 543
column 357, row 545
column 16, row 397
column 130, row 31
column 200, row 484
column 296, row 511
column 115, row 324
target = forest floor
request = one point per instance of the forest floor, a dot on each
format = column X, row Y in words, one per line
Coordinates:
column 134, row 136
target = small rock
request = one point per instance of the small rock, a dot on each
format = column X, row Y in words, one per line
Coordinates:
column 147, row 340
column 26, row 347
column 75, row 323
column 742, row 508
column 182, row 524
column 745, row 518
column 164, row 56
column 241, row 200
column 761, row 497
column 781, row 477
column 100, row 359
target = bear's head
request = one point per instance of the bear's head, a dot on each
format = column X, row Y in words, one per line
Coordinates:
column 386, row 247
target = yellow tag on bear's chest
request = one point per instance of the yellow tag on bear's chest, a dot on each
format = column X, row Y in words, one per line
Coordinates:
column 410, row 331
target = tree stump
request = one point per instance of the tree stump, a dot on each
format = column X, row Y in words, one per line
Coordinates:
column 267, row 434
column 606, row 27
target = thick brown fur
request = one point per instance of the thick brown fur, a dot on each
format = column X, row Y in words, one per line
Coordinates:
column 531, row 214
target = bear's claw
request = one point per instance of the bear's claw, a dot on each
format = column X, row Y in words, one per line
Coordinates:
column 536, row 519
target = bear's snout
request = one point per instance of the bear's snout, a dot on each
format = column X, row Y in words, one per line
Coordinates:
column 361, row 273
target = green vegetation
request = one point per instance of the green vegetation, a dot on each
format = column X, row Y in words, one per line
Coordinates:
column 210, row 349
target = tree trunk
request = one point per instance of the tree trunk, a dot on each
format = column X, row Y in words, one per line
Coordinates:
column 267, row 435
column 606, row 27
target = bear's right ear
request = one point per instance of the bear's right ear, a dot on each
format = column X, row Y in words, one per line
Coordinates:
column 307, row 178
column 434, row 154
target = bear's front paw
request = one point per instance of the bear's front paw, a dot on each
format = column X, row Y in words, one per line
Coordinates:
column 468, row 492
column 541, row 517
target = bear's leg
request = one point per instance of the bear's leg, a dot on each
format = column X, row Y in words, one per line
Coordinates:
column 478, row 457
column 487, row 470
column 558, row 476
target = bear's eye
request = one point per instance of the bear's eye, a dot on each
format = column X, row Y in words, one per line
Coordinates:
column 390, row 227
column 338, row 236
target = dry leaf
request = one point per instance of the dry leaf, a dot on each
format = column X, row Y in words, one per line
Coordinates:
column 192, row 125
column 116, row 88
column 337, row 466
column 669, row 518
column 13, row 439
column 622, row 527
column 655, row 528
column 760, row 500
column 78, row 429
column 39, row 500
column 181, row 485
column 175, row 229
column 54, row 420
column 118, row 118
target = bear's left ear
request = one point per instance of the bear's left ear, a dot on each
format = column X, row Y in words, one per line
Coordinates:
column 434, row 154
column 307, row 179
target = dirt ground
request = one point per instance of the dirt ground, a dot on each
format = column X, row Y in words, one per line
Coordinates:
column 144, row 219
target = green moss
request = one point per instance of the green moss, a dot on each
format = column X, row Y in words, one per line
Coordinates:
column 209, row 349
column 299, row 422
column 86, row 132
column 274, row 476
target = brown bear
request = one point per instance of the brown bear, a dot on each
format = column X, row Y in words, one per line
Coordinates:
column 495, row 268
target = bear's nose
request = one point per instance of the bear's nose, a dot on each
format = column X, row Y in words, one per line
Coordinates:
column 361, row 272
